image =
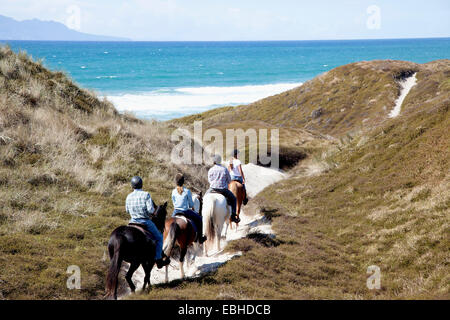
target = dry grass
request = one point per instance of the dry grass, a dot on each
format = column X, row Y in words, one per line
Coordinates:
column 375, row 194
column 66, row 159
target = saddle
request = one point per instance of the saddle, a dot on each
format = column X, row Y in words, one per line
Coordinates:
column 187, row 220
column 216, row 192
column 141, row 227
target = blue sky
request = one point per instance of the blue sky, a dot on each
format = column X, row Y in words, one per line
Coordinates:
column 242, row 19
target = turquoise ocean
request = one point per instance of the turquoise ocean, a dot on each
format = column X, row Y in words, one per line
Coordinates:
column 164, row 80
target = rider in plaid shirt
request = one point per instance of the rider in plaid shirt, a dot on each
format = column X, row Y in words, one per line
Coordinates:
column 139, row 205
column 219, row 178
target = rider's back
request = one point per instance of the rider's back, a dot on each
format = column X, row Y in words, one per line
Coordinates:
column 139, row 204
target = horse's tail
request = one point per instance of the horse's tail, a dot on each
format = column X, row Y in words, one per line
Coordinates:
column 171, row 238
column 208, row 219
column 114, row 268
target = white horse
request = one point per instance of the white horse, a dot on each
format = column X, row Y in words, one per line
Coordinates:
column 216, row 212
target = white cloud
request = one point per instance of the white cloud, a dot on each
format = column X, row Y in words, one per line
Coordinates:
column 235, row 19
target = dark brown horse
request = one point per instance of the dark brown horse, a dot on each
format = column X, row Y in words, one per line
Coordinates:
column 130, row 244
column 238, row 190
column 179, row 233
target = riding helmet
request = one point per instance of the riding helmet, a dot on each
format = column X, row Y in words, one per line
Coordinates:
column 217, row 159
column 136, row 182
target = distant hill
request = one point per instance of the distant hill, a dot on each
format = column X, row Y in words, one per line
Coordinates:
column 378, row 194
column 35, row 29
column 343, row 100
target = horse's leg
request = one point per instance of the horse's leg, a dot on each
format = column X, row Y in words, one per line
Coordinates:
column 147, row 270
column 205, row 250
column 194, row 255
column 218, row 241
column 182, row 270
column 167, row 274
column 228, row 224
column 238, row 210
column 131, row 270
column 182, row 255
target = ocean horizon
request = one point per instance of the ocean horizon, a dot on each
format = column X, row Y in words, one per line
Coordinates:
column 166, row 80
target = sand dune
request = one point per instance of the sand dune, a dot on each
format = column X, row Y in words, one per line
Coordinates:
column 406, row 86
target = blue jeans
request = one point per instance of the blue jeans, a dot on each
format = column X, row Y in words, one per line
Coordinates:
column 239, row 178
column 157, row 235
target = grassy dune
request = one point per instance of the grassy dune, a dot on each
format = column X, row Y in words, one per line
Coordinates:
column 376, row 194
column 66, row 158
column 363, row 189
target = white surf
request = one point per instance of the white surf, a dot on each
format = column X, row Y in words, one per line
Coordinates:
column 166, row 103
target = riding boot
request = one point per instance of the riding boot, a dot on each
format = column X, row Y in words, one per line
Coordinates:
column 202, row 239
column 164, row 261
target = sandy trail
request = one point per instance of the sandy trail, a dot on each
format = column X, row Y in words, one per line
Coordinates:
column 257, row 178
column 406, row 86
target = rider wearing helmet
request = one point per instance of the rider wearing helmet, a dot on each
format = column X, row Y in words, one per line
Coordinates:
column 184, row 205
column 139, row 205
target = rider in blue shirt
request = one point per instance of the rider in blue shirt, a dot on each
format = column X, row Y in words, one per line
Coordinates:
column 184, row 205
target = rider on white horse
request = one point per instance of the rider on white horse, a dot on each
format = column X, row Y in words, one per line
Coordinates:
column 219, row 178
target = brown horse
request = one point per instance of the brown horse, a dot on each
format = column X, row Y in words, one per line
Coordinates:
column 179, row 233
column 238, row 190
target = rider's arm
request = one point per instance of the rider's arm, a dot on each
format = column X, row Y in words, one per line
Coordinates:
column 228, row 177
column 242, row 173
column 190, row 201
column 209, row 176
column 173, row 198
column 149, row 204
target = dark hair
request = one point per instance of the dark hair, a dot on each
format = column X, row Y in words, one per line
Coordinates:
column 235, row 153
column 179, row 180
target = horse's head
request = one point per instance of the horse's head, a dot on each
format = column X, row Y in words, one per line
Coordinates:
column 159, row 217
